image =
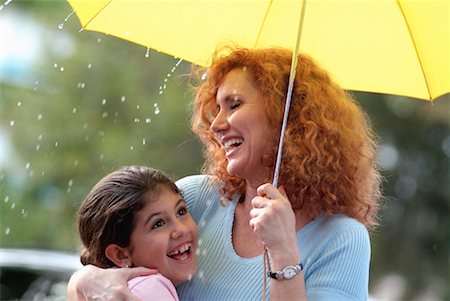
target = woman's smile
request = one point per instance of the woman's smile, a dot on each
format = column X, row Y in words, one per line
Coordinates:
column 241, row 125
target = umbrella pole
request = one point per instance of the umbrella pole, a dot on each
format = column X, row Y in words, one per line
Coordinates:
column 289, row 95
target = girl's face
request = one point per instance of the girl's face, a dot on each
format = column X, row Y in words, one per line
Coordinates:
column 165, row 237
column 241, row 126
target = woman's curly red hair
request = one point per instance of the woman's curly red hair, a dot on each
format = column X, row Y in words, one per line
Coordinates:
column 328, row 164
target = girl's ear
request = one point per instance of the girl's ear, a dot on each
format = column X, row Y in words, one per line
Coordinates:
column 120, row 256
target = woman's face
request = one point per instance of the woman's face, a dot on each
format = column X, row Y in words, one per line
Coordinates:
column 165, row 237
column 241, row 126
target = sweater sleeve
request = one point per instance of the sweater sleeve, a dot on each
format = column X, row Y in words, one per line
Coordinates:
column 153, row 287
column 341, row 271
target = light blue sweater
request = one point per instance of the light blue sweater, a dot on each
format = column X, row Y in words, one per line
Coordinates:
column 335, row 252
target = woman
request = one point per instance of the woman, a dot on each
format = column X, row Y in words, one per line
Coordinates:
column 315, row 225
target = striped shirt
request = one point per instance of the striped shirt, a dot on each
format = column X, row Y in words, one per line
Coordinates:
column 335, row 253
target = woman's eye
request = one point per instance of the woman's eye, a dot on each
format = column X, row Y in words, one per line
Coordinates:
column 158, row 223
column 182, row 211
column 235, row 104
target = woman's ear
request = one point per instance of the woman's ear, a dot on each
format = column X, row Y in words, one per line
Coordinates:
column 120, row 256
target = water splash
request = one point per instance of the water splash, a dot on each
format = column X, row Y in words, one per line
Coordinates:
column 5, row 4
column 157, row 110
column 164, row 86
column 61, row 25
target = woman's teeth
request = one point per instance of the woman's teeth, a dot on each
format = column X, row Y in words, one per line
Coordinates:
column 233, row 143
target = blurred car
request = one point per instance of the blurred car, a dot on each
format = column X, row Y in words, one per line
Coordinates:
column 28, row 274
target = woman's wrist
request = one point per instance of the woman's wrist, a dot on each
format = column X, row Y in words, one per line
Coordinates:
column 282, row 258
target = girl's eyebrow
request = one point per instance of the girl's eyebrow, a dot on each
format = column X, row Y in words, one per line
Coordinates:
column 181, row 200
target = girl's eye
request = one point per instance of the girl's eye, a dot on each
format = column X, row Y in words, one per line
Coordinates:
column 158, row 223
column 182, row 211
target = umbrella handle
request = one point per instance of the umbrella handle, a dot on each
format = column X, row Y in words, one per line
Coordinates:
column 289, row 95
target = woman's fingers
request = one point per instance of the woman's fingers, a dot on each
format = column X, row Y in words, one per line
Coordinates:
column 93, row 283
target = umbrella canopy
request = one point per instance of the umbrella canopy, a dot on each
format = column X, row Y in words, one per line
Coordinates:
column 383, row 46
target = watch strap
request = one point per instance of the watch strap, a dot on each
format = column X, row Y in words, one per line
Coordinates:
column 279, row 275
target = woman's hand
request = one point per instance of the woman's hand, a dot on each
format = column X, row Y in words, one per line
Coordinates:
column 91, row 283
column 273, row 219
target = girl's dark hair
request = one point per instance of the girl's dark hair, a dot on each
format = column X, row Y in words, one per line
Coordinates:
column 106, row 215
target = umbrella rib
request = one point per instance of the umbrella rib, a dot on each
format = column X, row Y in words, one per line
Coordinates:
column 262, row 25
column 96, row 14
column 415, row 48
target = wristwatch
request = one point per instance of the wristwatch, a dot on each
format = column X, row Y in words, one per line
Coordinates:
column 286, row 273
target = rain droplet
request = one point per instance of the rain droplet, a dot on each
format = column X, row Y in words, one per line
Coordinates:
column 39, row 117
column 8, row 231
column 147, row 54
column 204, row 76
column 131, row 148
column 19, row 104
column 105, row 114
column 12, row 123
column 148, row 120
column 56, row 144
column 122, row 99
column 143, row 141
column 38, row 146
column 27, row 166
column 6, row 199
column 74, row 110
column 89, row 66
column 99, row 40
column 55, row 65
column 101, row 157
column 138, row 107
column 103, row 101
column 70, row 182
column 157, row 111
column 40, row 137
column 61, row 26
column 13, row 206
column 61, row 69
column 136, row 120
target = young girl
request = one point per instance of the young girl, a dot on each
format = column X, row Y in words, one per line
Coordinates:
column 136, row 216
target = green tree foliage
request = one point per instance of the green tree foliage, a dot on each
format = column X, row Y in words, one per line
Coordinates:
column 92, row 103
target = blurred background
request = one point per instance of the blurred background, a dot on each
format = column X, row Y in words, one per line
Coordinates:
column 76, row 105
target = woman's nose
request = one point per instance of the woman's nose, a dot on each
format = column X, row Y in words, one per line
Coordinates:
column 219, row 123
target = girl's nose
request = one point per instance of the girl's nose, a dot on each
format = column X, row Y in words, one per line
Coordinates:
column 179, row 230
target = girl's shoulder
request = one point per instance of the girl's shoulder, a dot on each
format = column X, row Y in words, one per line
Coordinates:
column 153, row 287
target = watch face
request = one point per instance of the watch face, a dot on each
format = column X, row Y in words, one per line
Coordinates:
column 289, row 272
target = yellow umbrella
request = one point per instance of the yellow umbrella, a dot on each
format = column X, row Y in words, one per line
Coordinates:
column 383, row 46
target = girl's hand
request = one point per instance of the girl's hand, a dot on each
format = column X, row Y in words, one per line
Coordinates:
column 273, row 219
column 91, row 283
